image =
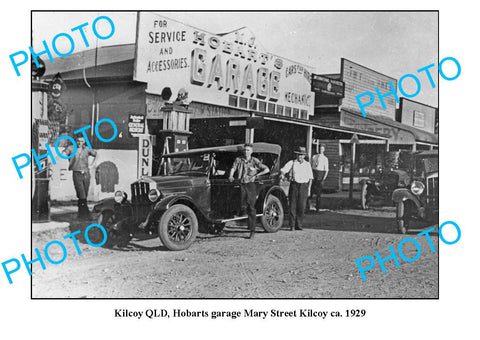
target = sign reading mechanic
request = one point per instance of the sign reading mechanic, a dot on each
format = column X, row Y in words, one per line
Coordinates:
column 214, row 67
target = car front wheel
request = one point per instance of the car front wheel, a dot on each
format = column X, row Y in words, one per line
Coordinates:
column 272, row 218
column 178, row 227
column 114, row 237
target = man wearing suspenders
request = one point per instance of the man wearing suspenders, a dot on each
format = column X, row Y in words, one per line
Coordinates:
column 300, row 176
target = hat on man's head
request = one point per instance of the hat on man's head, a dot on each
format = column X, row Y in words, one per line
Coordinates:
column 301, row 150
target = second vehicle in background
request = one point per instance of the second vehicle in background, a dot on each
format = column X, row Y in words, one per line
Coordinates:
column 382, row 182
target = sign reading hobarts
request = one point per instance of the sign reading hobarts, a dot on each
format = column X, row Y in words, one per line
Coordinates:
column 229, row 69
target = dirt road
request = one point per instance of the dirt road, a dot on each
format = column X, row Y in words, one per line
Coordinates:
column 318, row 262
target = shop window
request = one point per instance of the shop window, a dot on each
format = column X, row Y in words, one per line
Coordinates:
column 295, row 113
column 288, row 111
column 262, row 106
column 232, row 100
column 252, row 104
column 303, row 114
column 271, row 108
column 243, row 103
column 279, row 109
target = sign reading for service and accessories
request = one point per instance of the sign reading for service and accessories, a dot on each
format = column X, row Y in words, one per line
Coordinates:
column 231, row 69
column 136, row 124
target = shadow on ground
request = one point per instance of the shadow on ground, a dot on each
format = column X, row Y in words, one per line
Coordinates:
column 354, row 221
column 372, row 221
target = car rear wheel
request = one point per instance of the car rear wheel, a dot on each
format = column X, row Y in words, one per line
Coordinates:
column 404, row 215
column 178, row 227
column 365, row 196
column 272, row 218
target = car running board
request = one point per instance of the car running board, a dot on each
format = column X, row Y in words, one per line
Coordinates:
column 237, row 218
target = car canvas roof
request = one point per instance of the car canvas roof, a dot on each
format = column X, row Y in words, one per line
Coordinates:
column 257, row 147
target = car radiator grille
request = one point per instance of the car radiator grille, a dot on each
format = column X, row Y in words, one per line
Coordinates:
column 140, row 203
column 432, row 192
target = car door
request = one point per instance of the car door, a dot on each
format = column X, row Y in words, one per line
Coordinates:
column 225, row 195
column 266, row 181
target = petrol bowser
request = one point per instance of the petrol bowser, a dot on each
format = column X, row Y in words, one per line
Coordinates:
column 40, row 135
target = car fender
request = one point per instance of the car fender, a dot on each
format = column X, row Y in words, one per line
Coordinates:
column 122, row 211
column 403, row 194
column 167, row 202
column 105, row 204
column 276, row 191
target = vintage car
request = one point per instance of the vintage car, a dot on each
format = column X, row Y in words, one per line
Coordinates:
column 192, row 193
column 420, row 198
column 384, row 180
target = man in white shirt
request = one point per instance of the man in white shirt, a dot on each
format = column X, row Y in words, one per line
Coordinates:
column 320, row 173
column 300, row 173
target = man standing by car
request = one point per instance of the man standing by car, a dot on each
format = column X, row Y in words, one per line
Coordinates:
column 246, row 168
column 300, row 174
column 320, row 173
column 81, row 173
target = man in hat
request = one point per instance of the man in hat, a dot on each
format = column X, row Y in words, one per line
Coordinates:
column 300, row 173
column 320, row 172
column 248, row 168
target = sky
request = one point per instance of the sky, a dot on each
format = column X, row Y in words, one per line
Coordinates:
column 393, row 43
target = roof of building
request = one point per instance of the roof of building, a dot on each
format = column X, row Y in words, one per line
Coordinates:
column 330, row 127
column 420, row 135
column 86, row 59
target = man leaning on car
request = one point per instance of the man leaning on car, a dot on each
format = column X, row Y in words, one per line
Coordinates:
column 246, row 168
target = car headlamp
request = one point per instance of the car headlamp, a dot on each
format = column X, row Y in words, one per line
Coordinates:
column 417, row 187
column 153, row 195
column 120, row 196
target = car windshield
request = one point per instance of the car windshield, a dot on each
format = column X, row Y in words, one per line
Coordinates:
column 405, row 161
column 192, row 164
